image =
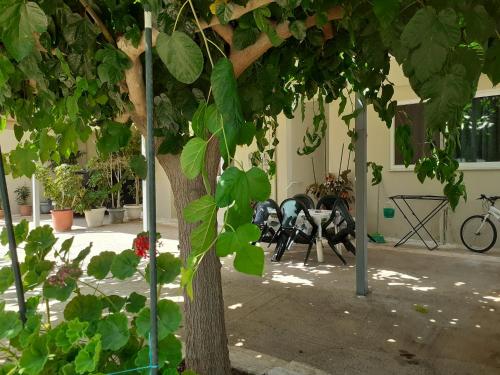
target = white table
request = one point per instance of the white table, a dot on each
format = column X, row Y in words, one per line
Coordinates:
column 318, row 216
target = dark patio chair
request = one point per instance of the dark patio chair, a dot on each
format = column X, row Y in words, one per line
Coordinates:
column 327, row 202
column 291, row 231
column 344, row 226
column 261, row 219
column 305, row 199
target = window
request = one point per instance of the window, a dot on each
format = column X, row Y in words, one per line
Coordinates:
column 479, row 133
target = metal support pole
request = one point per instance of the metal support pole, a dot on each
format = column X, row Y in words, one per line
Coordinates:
column 361, row 201
column 144, row 190
column 12, row 241
column 151, row 185
column 35, row 194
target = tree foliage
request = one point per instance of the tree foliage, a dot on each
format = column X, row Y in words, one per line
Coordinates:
column 223, row 72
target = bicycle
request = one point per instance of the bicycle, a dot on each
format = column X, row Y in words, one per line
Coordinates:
column 478, row 233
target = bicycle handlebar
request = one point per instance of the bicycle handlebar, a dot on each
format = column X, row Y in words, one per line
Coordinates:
column 492, row 199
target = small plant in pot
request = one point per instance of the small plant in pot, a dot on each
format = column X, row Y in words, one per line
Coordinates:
column 63, row 186
column 115, row 172
column 138, row 171
column 94, row 195
column 23, row 193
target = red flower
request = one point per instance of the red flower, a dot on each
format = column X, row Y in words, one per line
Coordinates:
column 141, row 245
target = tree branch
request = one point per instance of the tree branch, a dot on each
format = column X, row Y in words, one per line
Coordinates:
column 130, row 50
column 238, row 11
column 98, row 22
column 243, row 59
column 225, row 32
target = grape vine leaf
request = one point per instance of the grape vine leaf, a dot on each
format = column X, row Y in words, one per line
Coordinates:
column 181, row 55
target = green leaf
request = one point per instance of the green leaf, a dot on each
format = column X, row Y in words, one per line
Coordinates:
column 193, row 157
column 35, row 357
column 76, row 330
column 386, row 11
column 10, row 324
column 204, row 210
column 249, row 259
column 125, row 264
column 225, row 90
column 21, row 231
column 242, row 187
column 168, row 267
column 100, row 265
column 243, row 38
column 181, row 55
column 86, row 308
column 40, row 241
column 22, row 160
column 113, row 302
column 87, row 358
column 478, row 24
column 113, row 64
column 138, row 165
column 224, row 12
column 492, row 63
column 229, row 241
column 19, row 21
column 169, row 319
column 6, row 279
column 447, row 95
column 60, row 292
column 82, row 255
column 170, row 351
column 298, row 29
column 198, row 121
column 114, row 331
column 135, row 302
column 113, row 137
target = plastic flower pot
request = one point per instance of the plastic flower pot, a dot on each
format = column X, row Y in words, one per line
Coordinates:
column 133, row 211
column 95, row 217
column 116, row 215
column 62, row 220
column 45, row 207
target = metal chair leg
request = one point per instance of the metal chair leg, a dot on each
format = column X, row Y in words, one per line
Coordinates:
column 337, row 253
column 308, row 253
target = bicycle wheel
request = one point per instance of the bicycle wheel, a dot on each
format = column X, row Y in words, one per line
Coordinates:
column 476, row 236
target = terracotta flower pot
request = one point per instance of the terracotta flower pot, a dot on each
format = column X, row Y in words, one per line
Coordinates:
column 1, row 214
column 62, row 220
column 25, row 210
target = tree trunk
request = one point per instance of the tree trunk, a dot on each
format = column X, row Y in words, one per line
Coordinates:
column 205, row 332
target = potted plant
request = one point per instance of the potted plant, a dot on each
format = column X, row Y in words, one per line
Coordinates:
column 340, row 186
column 23, row 193
column 92, row 200
column 45, row 207
column 137, row 170
column 114, row 169
column 63, row 186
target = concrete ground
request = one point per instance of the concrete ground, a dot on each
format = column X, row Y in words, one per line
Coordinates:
column 427, row 313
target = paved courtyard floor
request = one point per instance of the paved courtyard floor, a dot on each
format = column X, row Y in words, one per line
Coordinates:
column 428, row 312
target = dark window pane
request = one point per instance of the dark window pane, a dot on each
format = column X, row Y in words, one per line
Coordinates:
column 480, row 131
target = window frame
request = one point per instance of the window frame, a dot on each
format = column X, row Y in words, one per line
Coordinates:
column 467, row 166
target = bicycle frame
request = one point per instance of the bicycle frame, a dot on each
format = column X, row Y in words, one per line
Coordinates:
column 494, row 212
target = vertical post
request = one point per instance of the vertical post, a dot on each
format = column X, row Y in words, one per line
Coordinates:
column 361, row 204
column 144, row 190
column 35, row 194
column 4, row 195
column 151, row 185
